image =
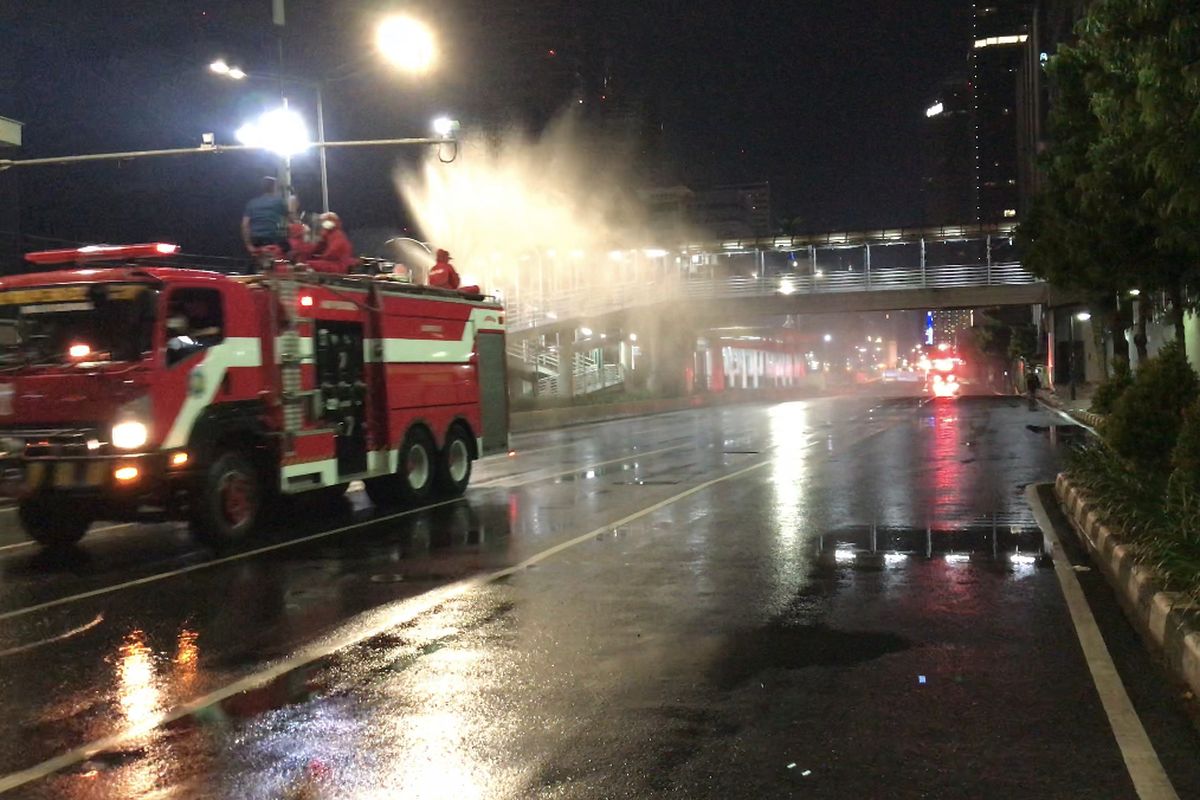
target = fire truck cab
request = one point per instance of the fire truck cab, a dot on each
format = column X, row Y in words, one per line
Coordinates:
column 141, row 389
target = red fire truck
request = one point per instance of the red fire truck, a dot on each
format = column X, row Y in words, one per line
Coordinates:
column 135, row 388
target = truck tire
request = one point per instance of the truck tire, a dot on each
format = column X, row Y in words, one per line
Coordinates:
column 454, row 464
column 413, row 482
column 227, row 505
column 52, row 526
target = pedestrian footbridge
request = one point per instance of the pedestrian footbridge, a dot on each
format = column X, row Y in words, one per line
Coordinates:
column 951, row 267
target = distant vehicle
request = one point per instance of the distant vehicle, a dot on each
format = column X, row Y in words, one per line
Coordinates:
column 942, row 379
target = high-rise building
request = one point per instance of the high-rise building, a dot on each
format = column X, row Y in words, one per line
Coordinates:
column 948, row 182
column 1053, row 24
column 528, row 59
column 1001, row 42
column 944, row 326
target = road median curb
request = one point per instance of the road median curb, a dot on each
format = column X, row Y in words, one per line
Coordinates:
column 1167, row 623
column 1088, row 418
column 552, row 418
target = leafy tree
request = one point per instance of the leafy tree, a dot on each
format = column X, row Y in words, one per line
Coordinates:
column 1120, row 203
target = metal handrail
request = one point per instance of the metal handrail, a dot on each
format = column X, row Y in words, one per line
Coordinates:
column 600, row 300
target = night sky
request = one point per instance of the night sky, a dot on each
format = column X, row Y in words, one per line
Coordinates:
column 823, row 99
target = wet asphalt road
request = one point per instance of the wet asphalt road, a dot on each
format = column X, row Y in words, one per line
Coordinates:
column 829, row 598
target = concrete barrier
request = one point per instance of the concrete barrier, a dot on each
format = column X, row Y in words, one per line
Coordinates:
column 551, row 418
column 1079, row 415
column 1167, row 622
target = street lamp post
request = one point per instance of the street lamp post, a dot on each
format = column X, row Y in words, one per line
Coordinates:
column 220, row 67
column 405, row 42
column 1082, row 316
column 321, row 142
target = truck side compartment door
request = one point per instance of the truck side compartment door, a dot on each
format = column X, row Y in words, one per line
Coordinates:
column 341, row 381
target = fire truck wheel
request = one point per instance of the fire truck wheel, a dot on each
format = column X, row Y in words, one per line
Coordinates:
column 229, row 502
column 454, row 464
column 418, row 465
column 53, row 526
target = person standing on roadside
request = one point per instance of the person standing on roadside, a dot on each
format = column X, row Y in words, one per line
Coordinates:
column 1032, row 384
column 265, row 220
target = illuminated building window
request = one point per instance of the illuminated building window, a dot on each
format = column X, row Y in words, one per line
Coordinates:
column 993, row 41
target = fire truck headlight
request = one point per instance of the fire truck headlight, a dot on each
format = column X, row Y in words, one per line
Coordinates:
column 129, row 435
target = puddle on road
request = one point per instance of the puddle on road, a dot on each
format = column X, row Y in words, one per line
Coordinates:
column 782, row 645
column 875, row 547
column 597, row 472
column 1062, row 434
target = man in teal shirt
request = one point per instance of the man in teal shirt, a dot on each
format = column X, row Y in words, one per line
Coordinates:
column 265, row 219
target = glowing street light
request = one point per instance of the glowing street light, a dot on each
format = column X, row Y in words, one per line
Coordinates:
column 406, row 43
column 828, row 337
column 219, row 67
column 444, row 126
column 280, row 130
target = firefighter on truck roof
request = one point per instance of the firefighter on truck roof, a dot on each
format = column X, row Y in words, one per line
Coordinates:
column 333, row 252
column 442, row 274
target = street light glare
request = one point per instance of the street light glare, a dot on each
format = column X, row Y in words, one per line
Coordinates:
column 407, row 43
column 236, row 73
column 281, row 130
column 1083, row 316
column 219, row 66
column 829, row 337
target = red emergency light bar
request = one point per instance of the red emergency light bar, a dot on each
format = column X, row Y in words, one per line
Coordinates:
column 102, row 252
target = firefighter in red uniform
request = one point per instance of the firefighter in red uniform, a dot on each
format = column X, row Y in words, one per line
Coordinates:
column 298, row 244
column 333, row 253
column 442, row 274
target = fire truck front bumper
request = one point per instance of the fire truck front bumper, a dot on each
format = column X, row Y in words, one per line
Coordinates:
column 116, row 486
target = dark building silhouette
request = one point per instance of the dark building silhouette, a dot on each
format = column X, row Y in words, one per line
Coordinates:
column 723, row 212
column 1053, row 24
column 948, row 183
column 1003, row 30
column 523, row 62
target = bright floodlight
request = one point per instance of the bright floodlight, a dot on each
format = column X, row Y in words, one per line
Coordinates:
column 1083, row 316
column 407, row 43
column 219, row 66
column 237, row 73
column 281, row 130
column 444, row 126
column 829, row 337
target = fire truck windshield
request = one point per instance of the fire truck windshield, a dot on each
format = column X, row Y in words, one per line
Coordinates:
column 76, row 324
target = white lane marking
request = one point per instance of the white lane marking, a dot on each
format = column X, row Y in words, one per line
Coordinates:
column 1141, row 761
column 20, row 612
column 101, row 529
column 501, row 480
column 67, row 635
column 397, row 614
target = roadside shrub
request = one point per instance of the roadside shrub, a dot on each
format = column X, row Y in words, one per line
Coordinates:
column 1144, row 424
column 1109, row 392
column 1186, row 456
column 1161, row 526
